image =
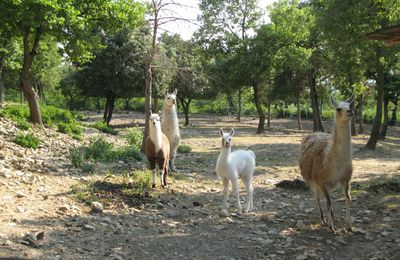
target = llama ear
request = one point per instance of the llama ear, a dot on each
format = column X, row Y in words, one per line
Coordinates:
column 175, row 92
column 232, row 132
column 350, row 100
column 159, row 113
column 333, row 102
column 221, row 132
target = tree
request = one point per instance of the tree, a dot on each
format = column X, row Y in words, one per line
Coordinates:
column 71, row 22
column 117, row 70
column 225, row 30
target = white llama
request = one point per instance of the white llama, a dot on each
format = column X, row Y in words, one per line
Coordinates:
column 232, row 165
column 170, row 125
column 325, row 161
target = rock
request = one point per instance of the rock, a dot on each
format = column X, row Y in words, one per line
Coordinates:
column 64, row 208
column 21, row 209
column 96, row 207
column 387, row 219
column 89, row 227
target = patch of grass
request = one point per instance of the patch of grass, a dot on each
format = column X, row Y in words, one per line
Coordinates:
column 133, row 190
column 102, row 126
column 385, row 185
column 27, row 140
column 52, row 116
column 99, row 150
column 184, row 149
column 134, row 137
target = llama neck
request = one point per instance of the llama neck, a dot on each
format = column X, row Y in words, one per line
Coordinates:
column 170, row 117
column 156, row 137
column 224, row 155
column 342, row 140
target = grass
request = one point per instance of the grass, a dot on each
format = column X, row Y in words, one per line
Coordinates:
column 134, row 137
column 103, row 127
column 132, row 189
column 184, row 149
column 27, row 140
column 99, row 150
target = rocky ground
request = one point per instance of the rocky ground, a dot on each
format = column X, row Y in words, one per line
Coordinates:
column 40, row 217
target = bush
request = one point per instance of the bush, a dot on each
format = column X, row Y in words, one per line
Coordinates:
column 128, row 154
column 99, row 149
column 184, row 149
column 27, row 140
column 77, row 157
column 134, row 137
column 102, row 126
column 23, row 125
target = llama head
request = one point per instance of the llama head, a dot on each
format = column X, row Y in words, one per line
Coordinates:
column 155, row 120
column 226, row 137
column 170, row 98
column 344, row 109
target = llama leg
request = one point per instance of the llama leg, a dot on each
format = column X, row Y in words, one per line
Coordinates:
column 162, row 178
column 235, row 186
column 348, row 202
column 318, row 200
column 172, row 159
column 328, row 209
column 153, row 185
column 225, row 183
column 250, row 191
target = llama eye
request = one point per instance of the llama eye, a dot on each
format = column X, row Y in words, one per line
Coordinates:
column 338, row 109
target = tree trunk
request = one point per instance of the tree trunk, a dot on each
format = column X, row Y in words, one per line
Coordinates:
column 126, row 105
column 240, row 105
column 353, row 127
column 360, row 115
column 25, row 84
column 148, row 81
column 230, row 103
column 186, row 106
column 261, row 115
column 318, row 127
column 382, row 134
column 299, row 126
column 110, row 108
column 373, row 139
column 106, row 108
column 269, row 115
column 2, row 88
column 155, row 104
column 394, row 114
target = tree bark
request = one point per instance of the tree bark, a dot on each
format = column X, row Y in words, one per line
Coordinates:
column 373, row 139
column 230, row 103
column 269, row 115
column 25, row 84
column 299, row 126
column 394, row 114
column 318, row 127
column 240, row 105
column 186, row 106
column 106, row 108
column 382, row 134
column 360, row 115
column 2, row 88
column 110, row 108
column 261, row 115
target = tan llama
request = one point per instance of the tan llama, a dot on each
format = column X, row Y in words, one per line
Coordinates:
column 157, row 150
column 325, row 161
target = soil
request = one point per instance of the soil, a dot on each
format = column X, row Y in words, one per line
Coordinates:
column 186, row 221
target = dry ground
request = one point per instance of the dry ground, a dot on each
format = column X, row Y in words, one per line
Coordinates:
column 186, row 221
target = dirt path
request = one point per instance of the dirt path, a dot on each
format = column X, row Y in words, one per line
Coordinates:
column 186, row 221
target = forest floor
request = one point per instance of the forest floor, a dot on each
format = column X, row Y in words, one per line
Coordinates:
column 186, row 222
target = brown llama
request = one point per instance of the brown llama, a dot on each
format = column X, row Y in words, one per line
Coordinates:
column 157, row 150
column 325, row 161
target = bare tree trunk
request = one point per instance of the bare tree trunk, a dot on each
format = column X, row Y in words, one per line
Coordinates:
column 353, row 127
column 240, row 105
column 373, row 139
column 110, row 109
column 269, row 115
column 25, row 84
column 318, row 127
column 155, row 104
column 2, row 88
column 394, row 114
column 299, row 126
column 185, row 107
column 230, row 103
column 382, row 134
column 107, row 107
column 261, row 115
column 360, row 115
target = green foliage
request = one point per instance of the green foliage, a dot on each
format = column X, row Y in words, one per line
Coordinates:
column 27, row 140
column 99, row 150
column 134, row 137
column 387, row 185
column 184, row 149
column 102, row 126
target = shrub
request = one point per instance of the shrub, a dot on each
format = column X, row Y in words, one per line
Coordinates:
column 77, row 157
column 102, row 126
column 130, row 154
column 27, row 140
column 23, row 125
column 134, row 137
column 184, row 149
column 100, row 149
